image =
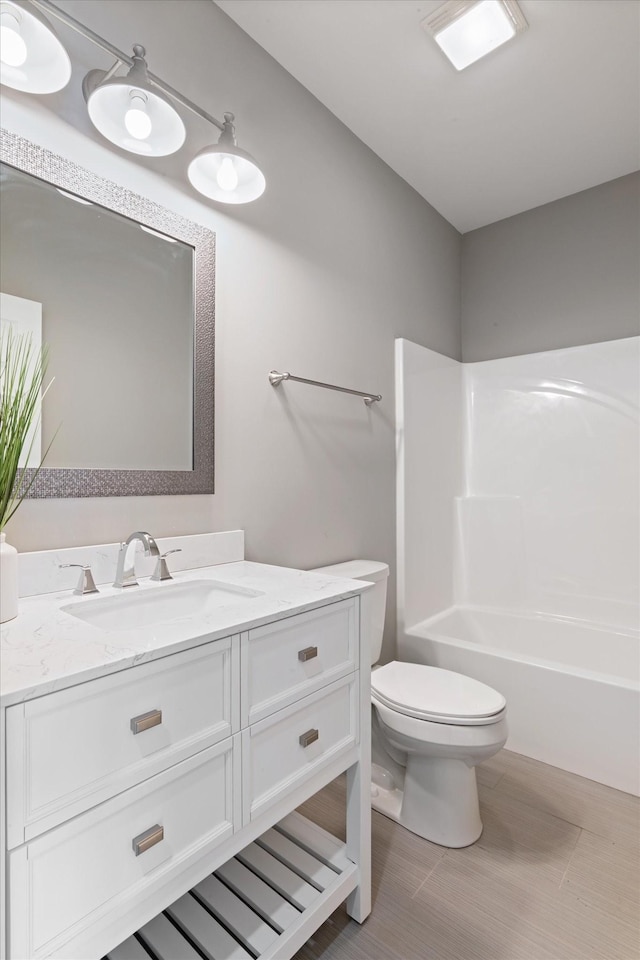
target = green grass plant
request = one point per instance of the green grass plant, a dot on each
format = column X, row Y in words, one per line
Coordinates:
column 23, row 369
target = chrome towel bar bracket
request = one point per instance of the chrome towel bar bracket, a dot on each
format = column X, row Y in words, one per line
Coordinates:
column 275, row 379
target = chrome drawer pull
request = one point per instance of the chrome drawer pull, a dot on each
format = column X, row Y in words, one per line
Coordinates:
column 144, row 841
column 145, row 721
column 307, row 654
column 306, row 739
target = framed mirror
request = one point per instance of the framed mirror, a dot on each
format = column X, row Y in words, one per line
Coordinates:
column 122, row 291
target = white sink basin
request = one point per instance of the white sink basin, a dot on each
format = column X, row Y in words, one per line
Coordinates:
column 142, row 607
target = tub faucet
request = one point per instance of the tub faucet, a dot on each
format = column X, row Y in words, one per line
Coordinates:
column 126, row 568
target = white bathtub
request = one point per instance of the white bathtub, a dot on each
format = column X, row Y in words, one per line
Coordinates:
column 572, row 688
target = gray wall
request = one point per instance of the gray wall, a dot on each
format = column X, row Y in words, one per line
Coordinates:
column 318, row 277
column 563, row 274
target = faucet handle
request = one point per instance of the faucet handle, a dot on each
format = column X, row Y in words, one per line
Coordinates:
column 161, row 571
column 86, row 583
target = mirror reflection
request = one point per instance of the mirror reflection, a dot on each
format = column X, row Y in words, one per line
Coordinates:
column 114, row 299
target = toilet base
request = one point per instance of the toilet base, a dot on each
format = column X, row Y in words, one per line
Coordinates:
column 439, row 801
column 387, row 802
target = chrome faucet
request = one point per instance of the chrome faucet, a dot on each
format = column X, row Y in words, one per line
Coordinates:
column 126, row 568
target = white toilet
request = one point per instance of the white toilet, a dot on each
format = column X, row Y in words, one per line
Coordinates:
column 430, row 728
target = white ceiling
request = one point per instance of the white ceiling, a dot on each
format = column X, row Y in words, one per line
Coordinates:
column 554, row 111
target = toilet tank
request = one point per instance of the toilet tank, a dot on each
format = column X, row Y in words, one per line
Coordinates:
column 375, row 572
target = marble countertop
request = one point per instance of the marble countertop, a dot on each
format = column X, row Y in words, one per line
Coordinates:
column 46, row 649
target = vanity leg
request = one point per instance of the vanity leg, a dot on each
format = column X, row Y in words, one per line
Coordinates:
column 359, row 839
column 359, row 782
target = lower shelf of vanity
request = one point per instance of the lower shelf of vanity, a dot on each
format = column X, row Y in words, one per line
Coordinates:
column 264, row 903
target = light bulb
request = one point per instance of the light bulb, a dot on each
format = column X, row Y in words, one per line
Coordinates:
column 226, row 176
column 136, row 119
column 13, row 49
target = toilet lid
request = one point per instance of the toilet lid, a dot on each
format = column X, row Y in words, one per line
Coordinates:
column 429, row 693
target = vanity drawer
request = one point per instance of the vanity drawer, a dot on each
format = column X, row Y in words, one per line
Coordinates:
column 284, row 750
column 284, row 661
column 68, row 751
column 72, row 877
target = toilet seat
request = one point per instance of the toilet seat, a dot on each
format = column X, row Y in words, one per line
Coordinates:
column 444, row 739
column 436, row 695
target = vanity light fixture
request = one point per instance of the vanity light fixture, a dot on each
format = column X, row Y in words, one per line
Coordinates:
column 466, row 30
column 225, row 172
column 131, row 113
column 136, row 112
column 13, row 49
column 32, row 57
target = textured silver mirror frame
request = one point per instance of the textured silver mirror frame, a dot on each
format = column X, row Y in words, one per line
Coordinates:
column 60, row 172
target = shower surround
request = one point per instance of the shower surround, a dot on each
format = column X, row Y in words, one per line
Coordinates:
column 518, row 541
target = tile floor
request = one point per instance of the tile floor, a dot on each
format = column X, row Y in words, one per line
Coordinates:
column 554, row 876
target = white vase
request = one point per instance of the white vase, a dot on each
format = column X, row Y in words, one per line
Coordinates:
column 8, row 580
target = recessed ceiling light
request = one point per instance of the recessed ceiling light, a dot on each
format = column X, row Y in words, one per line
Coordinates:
column 466, row 30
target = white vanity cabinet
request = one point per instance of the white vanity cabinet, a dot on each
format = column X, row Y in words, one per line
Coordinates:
column 73, row 749
column 155, row 804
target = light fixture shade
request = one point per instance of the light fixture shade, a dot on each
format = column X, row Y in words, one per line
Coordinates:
column 240, row 180
column 46, row 67
column 109, row 102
